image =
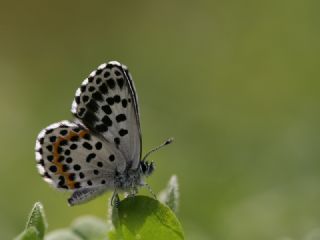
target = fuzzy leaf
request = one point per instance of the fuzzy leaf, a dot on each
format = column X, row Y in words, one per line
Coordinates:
column 37, row 219
column 142, row 218
column 90, row 228
column 170, row 195
column 62, row 234
column 30, row 233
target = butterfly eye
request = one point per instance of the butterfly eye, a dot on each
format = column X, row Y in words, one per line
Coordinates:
column 144, row 166
column 151, row 168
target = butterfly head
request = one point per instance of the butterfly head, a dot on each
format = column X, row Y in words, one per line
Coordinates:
column 147, row 168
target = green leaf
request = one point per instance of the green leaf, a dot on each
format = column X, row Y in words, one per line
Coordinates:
column 37, row 219
column 142, row 218
column 170, row 195
column 62, row 234
column 90, row 228
column 30, row 233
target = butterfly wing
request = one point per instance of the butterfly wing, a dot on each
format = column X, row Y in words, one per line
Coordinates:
column 107, row 104
column 70, row 157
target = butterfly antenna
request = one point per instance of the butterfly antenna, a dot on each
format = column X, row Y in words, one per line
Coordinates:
column 167, row 142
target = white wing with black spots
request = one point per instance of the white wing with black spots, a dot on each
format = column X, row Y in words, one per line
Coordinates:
column 107, row 104
column 70, row 157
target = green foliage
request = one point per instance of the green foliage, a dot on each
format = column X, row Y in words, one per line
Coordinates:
column 37, row 219
column 36, row 224
column 90, row 228
column 63, row 234
column 83, row 228
column 137, row 217
column 30, row 233
column 143, row 217
column 170, row 195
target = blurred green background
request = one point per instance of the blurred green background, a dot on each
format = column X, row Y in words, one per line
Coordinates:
column 235, row 82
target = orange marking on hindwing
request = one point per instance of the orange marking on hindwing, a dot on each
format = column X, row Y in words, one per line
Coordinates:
column 56, row 156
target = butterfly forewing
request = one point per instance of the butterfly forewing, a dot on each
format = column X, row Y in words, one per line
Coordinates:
column 70, row 157
column 106, row 103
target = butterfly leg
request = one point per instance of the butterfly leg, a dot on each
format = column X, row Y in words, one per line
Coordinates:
column 150, row 190
column 115, row 200
column 133, row 191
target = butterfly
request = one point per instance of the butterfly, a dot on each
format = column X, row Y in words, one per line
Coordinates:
column 100, row 150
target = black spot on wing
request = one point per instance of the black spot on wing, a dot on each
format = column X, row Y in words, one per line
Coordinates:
column 77, row 129
column 74, row 138
column 63, row 143
column 106, row 109
column 77, row 99
column 116, row 98
column 107, row 121
column 117, row 73
column 97, row 96
column 90, row 119
column 121, row 117
column 111, row 83
column 73, row 146
column 60, row 150
column 90, row 157
column 111, row 157
column 120, row 82
column 85, row 98
column 92, row 105
column 83, row 88
column 41, row 162
column 87, row 145
column 63, row 132
column 124, row 103
column 98, row 81
column 53, row 169
column 106, row 74
column 103, row 89
column 98, row 145
column 77, row 167
column 61, row 158
column 110, row 100
column 48, row 131
column 101, row 128
column 72, row 176
column 65, row 167
column 77, row 185
column 123, row 132
column 87, row 136
column 49, row 147
column 81, row 112
column 116, row 140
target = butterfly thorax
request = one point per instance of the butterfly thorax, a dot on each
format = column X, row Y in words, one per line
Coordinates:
column 132, row 178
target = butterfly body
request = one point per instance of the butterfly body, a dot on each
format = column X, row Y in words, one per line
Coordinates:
column 100, row 150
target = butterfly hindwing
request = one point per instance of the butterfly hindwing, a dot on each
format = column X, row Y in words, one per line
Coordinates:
column 71, row 157
column 106, row 103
